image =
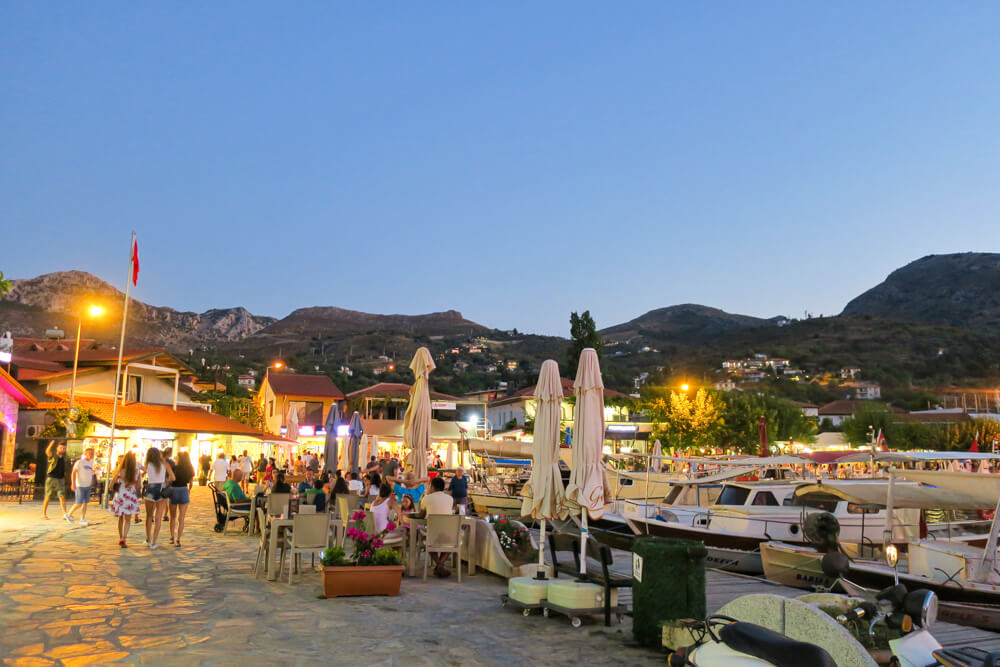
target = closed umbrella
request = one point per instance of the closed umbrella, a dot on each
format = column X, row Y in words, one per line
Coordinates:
column 331, row 450
column 417, row 421
column 588, row 483
column 544, row 494
column 765, row 449
column 449, row 458
column 292, row 424
column 354, row 432
column 657, row 461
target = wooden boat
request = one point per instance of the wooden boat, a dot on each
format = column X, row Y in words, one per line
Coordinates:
column 963, row 576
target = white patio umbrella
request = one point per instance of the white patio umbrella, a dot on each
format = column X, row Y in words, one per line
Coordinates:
column 656, row 462
column 588, row 483
column 417, row 420
column 544, row 496
column 449, row 458
column 292, row 424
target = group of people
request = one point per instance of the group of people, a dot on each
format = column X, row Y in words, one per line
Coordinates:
column 167, row 488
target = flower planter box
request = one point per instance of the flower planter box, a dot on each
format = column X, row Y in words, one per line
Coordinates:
column 362, row 580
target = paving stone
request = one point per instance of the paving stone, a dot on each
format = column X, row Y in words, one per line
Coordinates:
column 74, row 596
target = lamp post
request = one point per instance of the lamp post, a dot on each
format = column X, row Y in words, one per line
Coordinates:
column 95, row 311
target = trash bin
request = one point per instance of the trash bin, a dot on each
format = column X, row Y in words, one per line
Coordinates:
column 668, row 583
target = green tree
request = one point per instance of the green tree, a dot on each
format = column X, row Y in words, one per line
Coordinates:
column 683, row 422
column 741, row 413
column 5, row 285
column 583, row 334
column 859, row 428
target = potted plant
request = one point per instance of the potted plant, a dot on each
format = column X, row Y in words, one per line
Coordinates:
column 372, row 569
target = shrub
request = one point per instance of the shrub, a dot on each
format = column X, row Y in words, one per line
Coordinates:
column 386, row 556
column 334, row 556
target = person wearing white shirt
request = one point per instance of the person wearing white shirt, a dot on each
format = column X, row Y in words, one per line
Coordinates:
column 220, row 469
column 438, row 502
column 355, row 485
column 81, row 482
column 246, row 467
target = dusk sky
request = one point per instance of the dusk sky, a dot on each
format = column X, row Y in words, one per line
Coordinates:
column 514, row 161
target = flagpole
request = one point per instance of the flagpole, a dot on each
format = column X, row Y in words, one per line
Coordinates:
column 118, row 370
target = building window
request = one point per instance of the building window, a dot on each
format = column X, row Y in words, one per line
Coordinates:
column 270, row 408
column 313, row 414
column 134, row 391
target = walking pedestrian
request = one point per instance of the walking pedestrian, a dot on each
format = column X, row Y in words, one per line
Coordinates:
column 55, row 478
column 181, row 497
column 82, row 482
column 158, row 475
column 126, row 501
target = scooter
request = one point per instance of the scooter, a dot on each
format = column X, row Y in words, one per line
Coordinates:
column 726, row 642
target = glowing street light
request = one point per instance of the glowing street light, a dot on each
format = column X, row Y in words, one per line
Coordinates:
column 278, row 365
column 95, row 311
column 685, row 387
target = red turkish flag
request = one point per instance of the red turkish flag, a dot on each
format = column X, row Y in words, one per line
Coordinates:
column 135, row 261
column 975, row 444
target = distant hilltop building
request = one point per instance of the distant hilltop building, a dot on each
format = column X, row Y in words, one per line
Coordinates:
column 850, row 372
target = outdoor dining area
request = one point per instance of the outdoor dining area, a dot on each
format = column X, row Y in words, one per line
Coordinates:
column 365, row 542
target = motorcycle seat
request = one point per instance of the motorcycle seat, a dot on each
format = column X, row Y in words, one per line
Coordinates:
column 773, row 647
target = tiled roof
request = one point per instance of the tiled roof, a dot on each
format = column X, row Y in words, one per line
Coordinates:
column 849, row 407
column 394, row 390
column 292, row 384
column 164, row 418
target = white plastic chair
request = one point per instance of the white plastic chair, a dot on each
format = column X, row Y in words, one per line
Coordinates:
column 444, row 535
column 311, row 535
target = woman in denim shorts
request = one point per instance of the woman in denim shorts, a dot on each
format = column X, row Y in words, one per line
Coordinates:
column 158, row 475
column 181, row 496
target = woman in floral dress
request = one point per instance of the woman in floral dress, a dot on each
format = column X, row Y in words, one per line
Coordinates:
column 126, row 501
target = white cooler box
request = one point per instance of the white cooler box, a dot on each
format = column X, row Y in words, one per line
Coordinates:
column 570, row 594
column 527, row 590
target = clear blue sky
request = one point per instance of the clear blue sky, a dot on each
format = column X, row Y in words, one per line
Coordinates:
column 514, row 161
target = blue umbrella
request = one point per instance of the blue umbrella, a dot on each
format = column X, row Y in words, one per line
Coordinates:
column 330, row 451
column 355, row 431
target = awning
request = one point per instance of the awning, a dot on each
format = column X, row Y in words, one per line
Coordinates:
column 732, row 473
column 923, row 490
column 393, row 429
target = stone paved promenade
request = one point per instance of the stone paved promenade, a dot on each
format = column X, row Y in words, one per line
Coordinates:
column 69, row 595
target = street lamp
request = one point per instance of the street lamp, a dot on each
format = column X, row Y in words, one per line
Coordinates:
column 685, row 387
column 95, row 311
column 278, row 365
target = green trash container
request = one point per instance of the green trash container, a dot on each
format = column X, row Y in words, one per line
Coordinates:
column 668, row 583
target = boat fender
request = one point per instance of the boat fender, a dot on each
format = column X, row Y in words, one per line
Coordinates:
column 835, row 564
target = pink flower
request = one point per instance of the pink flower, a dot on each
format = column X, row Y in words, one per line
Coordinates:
column 358, row 516
column 390, row 526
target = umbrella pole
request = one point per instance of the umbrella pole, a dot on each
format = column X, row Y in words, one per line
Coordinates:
column 541, row 551
column 583, row 543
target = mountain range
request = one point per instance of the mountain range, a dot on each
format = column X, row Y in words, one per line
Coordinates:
column 934, row 306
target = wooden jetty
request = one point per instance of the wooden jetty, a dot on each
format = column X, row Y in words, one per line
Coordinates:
column 721, row 587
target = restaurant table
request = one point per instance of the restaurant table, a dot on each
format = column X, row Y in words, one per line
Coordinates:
column 277, row 525
column 468, row 524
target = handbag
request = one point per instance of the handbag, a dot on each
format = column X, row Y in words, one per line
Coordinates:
column 166, row 491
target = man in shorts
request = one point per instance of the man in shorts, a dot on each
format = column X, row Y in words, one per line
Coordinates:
column 81, row 483
column 55, row 478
